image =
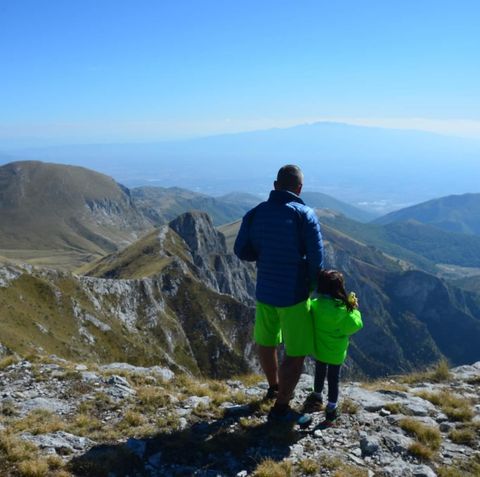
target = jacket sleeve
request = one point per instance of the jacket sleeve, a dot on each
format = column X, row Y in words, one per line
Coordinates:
column 313, row 246
column 352, row 323
column 243, row 247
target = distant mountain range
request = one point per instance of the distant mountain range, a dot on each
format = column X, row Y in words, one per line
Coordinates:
column 455, row 213
column 162, row 204
column 383, row 168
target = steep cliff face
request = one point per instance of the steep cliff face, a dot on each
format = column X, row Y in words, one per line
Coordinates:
column 172, row 319
column 222, row 270
column 192, row 240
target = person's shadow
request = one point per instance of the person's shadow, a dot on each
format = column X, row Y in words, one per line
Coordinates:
column 222, row 447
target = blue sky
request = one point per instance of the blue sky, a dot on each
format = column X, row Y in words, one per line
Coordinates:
column 117, row 70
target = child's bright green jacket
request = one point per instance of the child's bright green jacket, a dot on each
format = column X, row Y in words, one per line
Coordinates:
column 332, row 324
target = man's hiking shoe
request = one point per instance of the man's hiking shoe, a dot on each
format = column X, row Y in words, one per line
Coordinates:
column 272, row 393
column 312, row 404
column 289, row 417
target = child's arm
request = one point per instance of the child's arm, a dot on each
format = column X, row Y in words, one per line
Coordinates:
column 352, row 322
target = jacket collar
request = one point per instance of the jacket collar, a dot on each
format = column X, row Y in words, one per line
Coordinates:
column 284, row 196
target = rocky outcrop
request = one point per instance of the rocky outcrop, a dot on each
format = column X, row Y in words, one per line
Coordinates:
column 150, row 422
column 222, row 270
column 172, row 319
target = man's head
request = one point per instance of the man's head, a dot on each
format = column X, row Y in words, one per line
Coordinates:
column 289, row 178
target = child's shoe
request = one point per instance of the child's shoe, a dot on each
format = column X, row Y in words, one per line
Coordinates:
column 331, row 415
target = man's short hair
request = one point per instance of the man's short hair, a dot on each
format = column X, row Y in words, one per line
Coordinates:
column 289, row 177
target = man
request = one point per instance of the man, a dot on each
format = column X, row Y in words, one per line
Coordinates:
column 283, row 236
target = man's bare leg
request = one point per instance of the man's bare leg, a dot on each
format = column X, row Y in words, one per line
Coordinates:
column 289, row 374
column 269, row 363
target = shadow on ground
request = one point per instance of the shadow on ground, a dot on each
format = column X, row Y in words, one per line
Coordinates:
column 222, row 447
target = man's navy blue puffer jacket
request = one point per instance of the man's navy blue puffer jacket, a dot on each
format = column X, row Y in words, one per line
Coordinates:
column 283, row 236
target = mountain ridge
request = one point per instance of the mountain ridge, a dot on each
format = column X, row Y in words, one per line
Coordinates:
column 50, row 208
column 454, row 213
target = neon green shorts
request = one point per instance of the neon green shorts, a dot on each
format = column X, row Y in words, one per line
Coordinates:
column 291, row 324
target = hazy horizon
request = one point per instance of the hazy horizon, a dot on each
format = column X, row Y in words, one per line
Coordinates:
column 116, row 71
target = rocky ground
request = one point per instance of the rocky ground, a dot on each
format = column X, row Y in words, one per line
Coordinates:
column 59, row 418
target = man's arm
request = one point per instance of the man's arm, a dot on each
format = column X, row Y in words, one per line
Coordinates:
column 313, row 246
column 243, row 247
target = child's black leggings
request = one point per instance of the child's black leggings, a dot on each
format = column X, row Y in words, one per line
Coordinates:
column 332, row 371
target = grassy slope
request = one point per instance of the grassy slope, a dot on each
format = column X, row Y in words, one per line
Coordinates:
column 184, row 327
column 454, row 213
column 50, row 212
column 145, row 257
column 317, row 200
column 422, row 245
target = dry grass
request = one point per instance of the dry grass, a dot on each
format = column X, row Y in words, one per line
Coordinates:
column 394, row 408
column 440, row 373
column 466, row 468
column 217, row 391
column 85, row 425
column 249, row 422
column 421, row 451
column 21, row 459
column 466, row 436
column 152, row 398
column 7, row 361
column 270, row 468
column 309, row 466
column 330, row 463
column 338, row 468
column 14, row 449
column 132, row 419
column 427, row 435
column 33, row 468
column 382, row 385
column 168, row 422
column 249, row 379
column 457, row 408
column 347, row 406
column 350, row 471
column 39, row 421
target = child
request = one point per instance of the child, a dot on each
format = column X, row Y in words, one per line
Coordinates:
column 335, row 318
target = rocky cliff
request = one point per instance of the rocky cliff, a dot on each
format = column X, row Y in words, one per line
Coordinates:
column 173, row 319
